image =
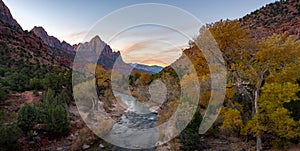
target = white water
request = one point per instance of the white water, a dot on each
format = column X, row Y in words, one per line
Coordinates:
column 137, row 127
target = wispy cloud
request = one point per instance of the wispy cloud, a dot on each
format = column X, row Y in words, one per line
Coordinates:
column 74, row 38
column 151, row 52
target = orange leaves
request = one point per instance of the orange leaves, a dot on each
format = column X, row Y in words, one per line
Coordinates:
column 145, row 78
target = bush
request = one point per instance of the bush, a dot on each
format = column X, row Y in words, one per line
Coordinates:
column 54, row 114
column 232, row 121
column 9, row 137
column 3, row 94
column 28, row 117
column 35, row 92
column 50, row 112
column 18, row 82
column 35, row 84
column 189, row 137
column 57, row 120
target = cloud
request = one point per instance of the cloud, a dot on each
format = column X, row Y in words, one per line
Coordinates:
column 154, row 62
column 75, row 37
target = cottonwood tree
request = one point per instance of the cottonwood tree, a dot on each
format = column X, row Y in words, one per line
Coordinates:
column 272, row 116
column 249, row 63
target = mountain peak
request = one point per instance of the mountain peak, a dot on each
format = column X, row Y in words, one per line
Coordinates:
column 6, row 17
column 51, row 40
column 96, row 39
column 40, row 28
column 40, row 31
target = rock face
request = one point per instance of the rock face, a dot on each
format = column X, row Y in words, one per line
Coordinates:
column 50, row 51
column 6, row 17
column 51, row 40
column 278, row 17
column 18, row 42
column 91, row 50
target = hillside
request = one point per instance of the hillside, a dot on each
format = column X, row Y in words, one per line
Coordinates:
column 247, row 52
column 36, row 78
column 278, row 17
column 19, row 47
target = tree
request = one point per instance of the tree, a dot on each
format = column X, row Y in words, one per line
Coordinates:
column 27, row 117
column 232, row 121
column 145, row 79
column 275, row 54
column 189, row 137
column 57, row 120
column 272, row 116
column 9, row 136
column 133, row 77
column 250, row 64
column 53, row 114
column 18, row 82
column 3, row 94
column 35, row 84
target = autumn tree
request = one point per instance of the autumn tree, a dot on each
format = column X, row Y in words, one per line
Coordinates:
column 272, row 116
column 251, row 64
column 232, row 121
column 145, row 79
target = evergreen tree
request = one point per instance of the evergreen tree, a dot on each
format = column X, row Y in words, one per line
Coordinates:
column 27, row 117
column 57, row 120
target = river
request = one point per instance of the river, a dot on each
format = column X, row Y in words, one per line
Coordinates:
column 136, row 128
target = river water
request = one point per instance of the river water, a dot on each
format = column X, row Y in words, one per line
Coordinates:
column 136, row 129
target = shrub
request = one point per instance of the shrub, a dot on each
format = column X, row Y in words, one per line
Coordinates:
column 54, row 114
column 3, row 94
column 232, row 121
column 35, row 92
column 189, row 137
column 35, row 84
column 28, row 117
column 9, row 137
column 18, row 82
column 57, row 120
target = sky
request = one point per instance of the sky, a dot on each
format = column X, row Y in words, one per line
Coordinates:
column 73, row 21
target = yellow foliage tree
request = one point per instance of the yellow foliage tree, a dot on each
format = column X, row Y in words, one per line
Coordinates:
column 232, row 121
column 272, row 117
column 250, row 64
column 145, row 79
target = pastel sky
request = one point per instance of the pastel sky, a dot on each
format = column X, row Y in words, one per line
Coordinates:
column 71, row 20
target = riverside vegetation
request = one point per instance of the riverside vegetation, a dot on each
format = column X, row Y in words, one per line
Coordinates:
column 260, row 110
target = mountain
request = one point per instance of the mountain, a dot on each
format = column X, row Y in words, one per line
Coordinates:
column 278, row 17
column 41, row 48
column 21, row 47
column 55, row 47
column 90, row 51
column 6, row 17
column 148, row 69
column 51, row 40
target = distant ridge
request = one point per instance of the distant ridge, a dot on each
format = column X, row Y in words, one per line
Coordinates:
column 146, row 68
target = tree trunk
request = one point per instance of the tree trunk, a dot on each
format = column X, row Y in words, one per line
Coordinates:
column 258, row 143
column 258, row 137
column 253, row 108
